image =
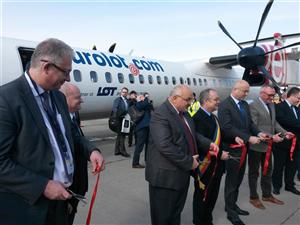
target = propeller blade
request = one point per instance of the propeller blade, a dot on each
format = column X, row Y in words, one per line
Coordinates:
column 112, row 48
column 228, row 35
column 262, row 20
column 246, row 73
column 287, row 46
column 266, row 73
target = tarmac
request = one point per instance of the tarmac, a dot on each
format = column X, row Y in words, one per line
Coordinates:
column 123, row 199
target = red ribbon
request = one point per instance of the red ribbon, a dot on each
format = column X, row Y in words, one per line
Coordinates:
column 244, row 152
column 267, row 158
column 210, row 180
column 294, row 139
column 88, row 219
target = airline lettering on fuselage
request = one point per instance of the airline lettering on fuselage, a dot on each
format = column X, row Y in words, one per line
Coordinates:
column 101, row 59
column 106, row 91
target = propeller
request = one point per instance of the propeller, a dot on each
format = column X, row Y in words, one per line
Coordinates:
column 263, row 19
column 228, row 35
column 253, row 58
column 278, row 49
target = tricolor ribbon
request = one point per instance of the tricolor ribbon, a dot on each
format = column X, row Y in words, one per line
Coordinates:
column 88, row 219
column 294, row 140
column 244, row 152
column 267, row 157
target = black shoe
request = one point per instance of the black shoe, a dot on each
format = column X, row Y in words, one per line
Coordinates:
column 117, row 153
column 242, row 212
column 293, row 190
column 125, row 154
column 235, row 221
column 138, row 166
column 276, row 191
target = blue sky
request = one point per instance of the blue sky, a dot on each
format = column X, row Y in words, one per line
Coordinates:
column 168, row 30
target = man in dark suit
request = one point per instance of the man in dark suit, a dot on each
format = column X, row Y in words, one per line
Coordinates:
column 36, row 141
column 142, row 129
column 172, row 154
column 120, row 109
column 235, row 121
column 263, row 115
column 289, row 118
column 80, row 180
column 206, row 123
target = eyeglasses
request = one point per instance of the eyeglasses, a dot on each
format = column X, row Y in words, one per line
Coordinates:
column 269, row 95
column 189, row 100
column 65, row 72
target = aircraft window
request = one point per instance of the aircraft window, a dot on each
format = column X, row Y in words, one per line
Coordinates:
column 200, row 81
column 166, row 80
column 214, row 82
column 77, row 75
column 93, row 76
column 121, row 77
column 141, row 78
column 188, row 81
column 181, row 80
column 150, row 79
column 205, row 82
column 131, row 78
column 158, row 78
column 195, row 81
column 108, row 77
column 174, row 80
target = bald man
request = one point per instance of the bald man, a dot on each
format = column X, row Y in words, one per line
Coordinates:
column 171, row 155
column 80, row 181
column 237, row 126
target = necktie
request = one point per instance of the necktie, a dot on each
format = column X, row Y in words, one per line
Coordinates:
column 270, row 111
column 51, row 114
column 242, row 110
column 191, row 141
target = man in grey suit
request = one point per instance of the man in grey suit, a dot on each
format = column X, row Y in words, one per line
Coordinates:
column 172, row 154
column 36, row 141
column 263, row 115
column 237, row 127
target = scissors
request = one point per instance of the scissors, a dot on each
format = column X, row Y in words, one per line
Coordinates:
column 80, row 198
column 236, row 159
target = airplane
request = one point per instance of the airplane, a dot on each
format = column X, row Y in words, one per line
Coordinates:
column 100, row 75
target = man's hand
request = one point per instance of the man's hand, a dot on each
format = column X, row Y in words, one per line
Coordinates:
column 239, row 140
column 97, row 159
column 277, row 138
column 254, row 140
column 263, row 136
column 195, row 162
column 56, row 191
column 213, row 149
column 289, row 135
column 225, row 155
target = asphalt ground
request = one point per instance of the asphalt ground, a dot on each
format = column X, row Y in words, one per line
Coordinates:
column 123, row 198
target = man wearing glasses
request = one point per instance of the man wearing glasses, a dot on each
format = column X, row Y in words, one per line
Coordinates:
column 171, row 155
column 263, row 115
column 37, row 141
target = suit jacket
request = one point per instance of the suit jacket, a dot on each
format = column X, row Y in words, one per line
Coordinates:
column 264, row 122
column 169, row 158
column 232, row 124
column 26, row 156
column 80, row 178
column 286, row 118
